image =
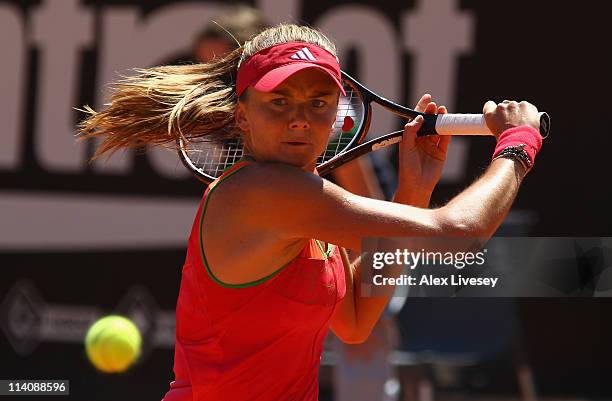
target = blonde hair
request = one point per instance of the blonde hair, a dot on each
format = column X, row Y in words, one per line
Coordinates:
column 159, row 105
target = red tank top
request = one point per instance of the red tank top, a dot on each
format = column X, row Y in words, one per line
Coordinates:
column 258, row 341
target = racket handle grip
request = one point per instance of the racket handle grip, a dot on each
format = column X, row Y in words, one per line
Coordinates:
column 467, row 124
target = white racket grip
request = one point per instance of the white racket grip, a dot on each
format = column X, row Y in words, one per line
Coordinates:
column 462, row 124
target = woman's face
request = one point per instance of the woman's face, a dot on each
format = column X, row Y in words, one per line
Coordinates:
column 292, row 123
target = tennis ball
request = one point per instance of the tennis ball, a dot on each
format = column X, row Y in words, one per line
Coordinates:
column 113, row 344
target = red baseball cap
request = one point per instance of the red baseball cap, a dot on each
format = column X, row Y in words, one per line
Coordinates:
column 268, row 68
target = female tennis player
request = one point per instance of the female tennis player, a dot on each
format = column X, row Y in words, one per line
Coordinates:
column 266, row 274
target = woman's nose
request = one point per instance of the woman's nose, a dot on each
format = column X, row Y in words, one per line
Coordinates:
column 299, row 120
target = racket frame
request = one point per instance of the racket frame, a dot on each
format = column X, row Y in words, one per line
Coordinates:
column 357, row 147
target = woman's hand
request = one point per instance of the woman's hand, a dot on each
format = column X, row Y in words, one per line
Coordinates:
column 509, row 114
column 421, row 159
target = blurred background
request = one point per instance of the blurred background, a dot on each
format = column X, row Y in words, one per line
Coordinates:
column 79, row 239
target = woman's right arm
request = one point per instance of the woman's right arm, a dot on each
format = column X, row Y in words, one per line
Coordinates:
column 294, row 204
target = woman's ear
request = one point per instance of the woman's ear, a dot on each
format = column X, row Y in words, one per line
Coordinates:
column 241, row 118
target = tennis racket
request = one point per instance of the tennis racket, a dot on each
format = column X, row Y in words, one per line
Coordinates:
column 209, row 158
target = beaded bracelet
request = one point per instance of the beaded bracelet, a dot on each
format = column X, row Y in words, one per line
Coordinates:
column 517, row 152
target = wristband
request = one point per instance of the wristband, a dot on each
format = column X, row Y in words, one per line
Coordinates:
column 521, row 143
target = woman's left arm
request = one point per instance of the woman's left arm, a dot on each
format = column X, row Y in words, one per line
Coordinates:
column 420, row 170
column 356, row 315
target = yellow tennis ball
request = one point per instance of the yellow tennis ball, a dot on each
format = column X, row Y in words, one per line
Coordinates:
column 113, row 344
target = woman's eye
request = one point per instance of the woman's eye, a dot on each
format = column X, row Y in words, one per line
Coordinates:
column 279, row 102
column 318, row 103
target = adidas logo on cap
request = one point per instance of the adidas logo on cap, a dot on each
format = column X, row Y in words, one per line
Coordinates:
column 304, row 54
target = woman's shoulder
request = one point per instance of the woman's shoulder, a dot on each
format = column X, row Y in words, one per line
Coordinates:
column 283, row 201
column 257, row 180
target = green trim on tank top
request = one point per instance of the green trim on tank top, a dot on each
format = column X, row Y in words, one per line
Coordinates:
column 242, row 159
column 208, row 270
column 327, row 252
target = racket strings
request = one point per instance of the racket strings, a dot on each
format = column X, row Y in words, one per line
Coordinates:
column 213, row 158
column 348, row 123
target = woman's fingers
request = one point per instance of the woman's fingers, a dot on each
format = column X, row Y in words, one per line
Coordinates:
column 437, row 140
column 425, row 105
column 489, row 107
column 431, row 108
column 410, row 130
column 443, row 142
column 423, row 102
